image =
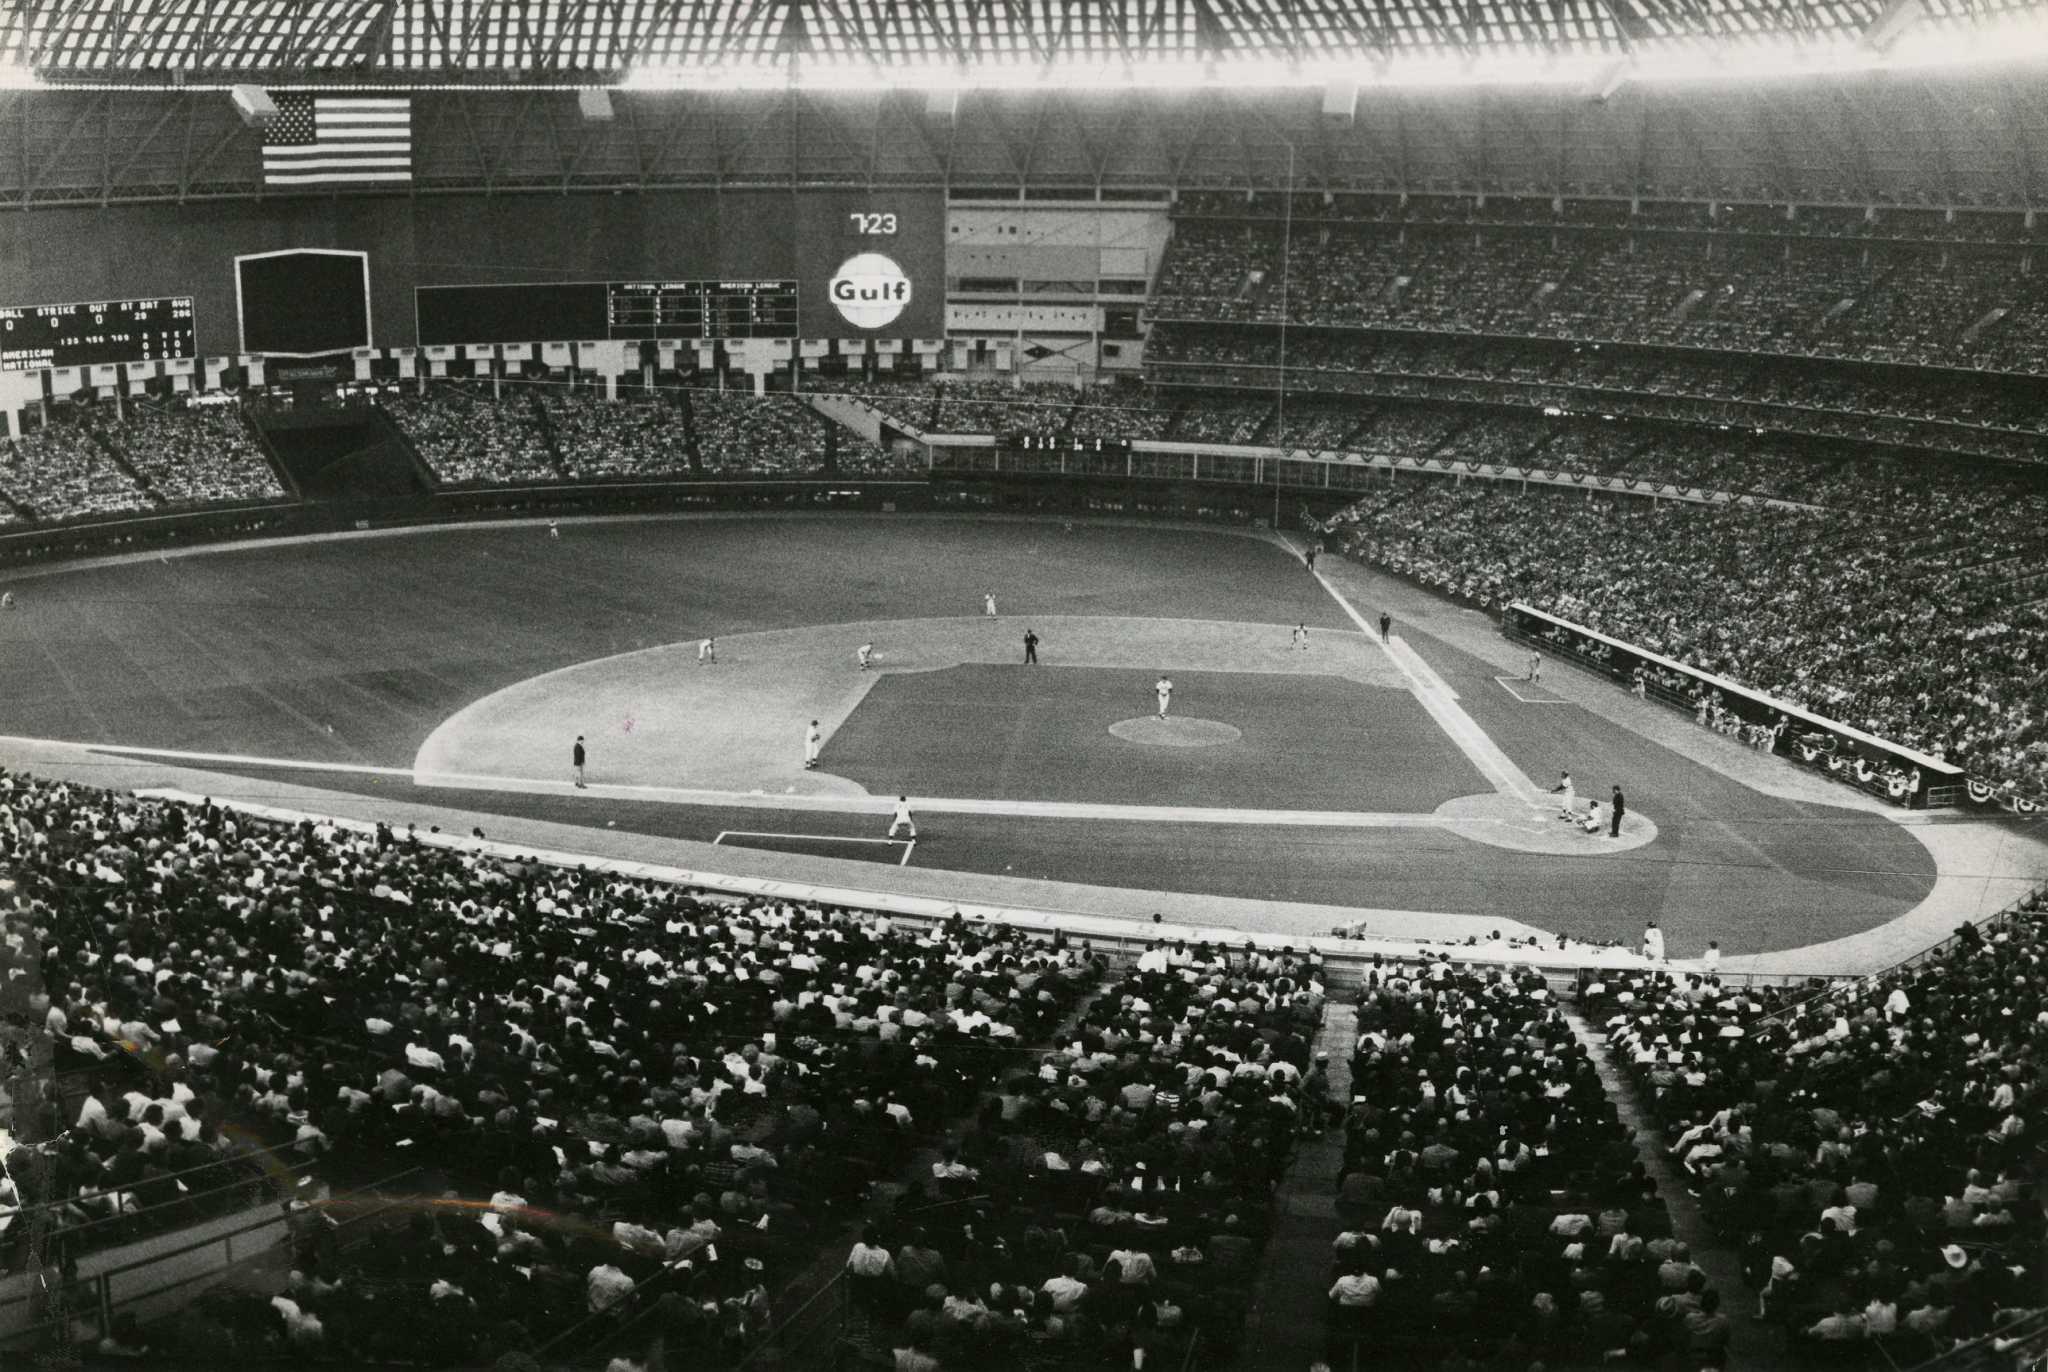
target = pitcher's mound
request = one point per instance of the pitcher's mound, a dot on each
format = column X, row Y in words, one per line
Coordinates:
column 1175, row 731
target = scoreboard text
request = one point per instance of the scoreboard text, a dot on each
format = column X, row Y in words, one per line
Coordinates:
column 701, row 309
column 36, row 337
column 626, row 310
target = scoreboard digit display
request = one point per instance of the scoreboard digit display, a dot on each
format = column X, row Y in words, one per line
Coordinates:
column 632, row 311
column 701, row 309
column 751, row 309
column 654, row 309
column 36, row 337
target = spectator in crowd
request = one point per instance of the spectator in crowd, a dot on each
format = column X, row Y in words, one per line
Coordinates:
column 1855, row 1149
column 1812, row 607
column 659, row 1093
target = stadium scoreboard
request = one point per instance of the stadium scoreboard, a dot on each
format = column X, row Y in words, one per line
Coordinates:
column 623, row 310
column 701, row 309
column 153, row 329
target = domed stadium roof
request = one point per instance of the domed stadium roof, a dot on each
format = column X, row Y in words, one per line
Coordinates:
column 973, row 41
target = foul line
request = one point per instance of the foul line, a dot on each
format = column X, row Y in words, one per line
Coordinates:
column 907, row 843
column 242, row 759
column 1508, row 684
column 1441, row 701
column 759, row 800
column 852, row 805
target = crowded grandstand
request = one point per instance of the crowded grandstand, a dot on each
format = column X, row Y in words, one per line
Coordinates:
column 394, row 391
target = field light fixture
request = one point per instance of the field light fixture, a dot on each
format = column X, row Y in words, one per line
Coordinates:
column 254, row 105
column 1608, row 80
column 1889, row 27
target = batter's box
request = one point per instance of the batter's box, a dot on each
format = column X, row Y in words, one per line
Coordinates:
column 1530, row 692
column 894, row 851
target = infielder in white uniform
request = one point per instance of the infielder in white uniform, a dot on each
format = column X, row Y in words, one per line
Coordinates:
column 1165, row 691
column 988, row 605
column 866, row 655
column 814, row 743
column 707, row 651
column 1301, row 637
column 902, row 819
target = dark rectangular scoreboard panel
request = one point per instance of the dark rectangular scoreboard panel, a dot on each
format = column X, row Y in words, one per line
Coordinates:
column 35, row 337
column 625, row 310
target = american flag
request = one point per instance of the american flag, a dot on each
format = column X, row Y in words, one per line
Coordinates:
column 326, row 139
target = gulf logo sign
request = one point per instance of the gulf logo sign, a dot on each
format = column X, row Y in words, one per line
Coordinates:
column 869, row 290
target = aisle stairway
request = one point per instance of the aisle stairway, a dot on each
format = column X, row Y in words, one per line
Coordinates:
column 1286, row 1326
column 115, row 454
column 1288, row 1319
column 282, row 472
column 1751, row 1344
column 544, row 423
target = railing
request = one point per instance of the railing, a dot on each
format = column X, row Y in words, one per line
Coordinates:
column 824, row 1309
column 1837, row 984
column 221, row 1164
column 1292, row 468
column 107, row 1291
column 1993, row 922
column 1160, row 313
column 2022, row 1343
column 1525, row 620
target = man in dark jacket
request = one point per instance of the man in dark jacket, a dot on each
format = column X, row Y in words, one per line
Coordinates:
column 1620, row 809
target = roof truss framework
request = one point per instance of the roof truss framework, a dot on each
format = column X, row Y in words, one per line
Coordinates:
column 1974, row 141
column 525, row 41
